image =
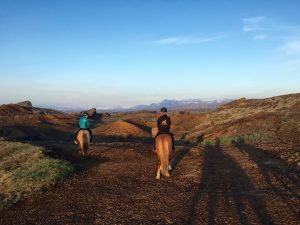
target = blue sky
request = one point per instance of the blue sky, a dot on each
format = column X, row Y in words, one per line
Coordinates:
column 123, row 53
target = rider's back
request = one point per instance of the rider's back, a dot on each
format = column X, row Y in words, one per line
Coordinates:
column 84, row 123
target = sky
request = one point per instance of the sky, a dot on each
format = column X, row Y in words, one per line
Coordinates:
column 111, row 53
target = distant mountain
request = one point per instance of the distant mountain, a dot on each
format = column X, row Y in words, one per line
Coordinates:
column 192, row 104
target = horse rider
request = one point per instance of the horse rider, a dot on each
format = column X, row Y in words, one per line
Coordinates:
column 84, row 124
column 163, row 125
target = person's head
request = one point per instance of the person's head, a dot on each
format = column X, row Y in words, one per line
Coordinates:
column 163, row 110
column 86, row 115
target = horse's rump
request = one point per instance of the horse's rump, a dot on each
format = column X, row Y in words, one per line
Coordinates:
column 84, row 139
column 163, row 143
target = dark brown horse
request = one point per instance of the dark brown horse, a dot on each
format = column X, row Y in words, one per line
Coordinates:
column 163, row 143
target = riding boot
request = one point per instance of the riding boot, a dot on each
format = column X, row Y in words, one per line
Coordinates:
column 75, row 141
column 91, row 135
column 75, row 137
column 173, row 142
column 154, row 146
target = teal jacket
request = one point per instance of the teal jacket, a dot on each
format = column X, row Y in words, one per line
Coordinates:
column 84, row 123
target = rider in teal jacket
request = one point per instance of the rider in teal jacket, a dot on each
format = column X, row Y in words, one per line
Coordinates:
column 84, row 124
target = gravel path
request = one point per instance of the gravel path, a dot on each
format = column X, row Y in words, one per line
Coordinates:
column 208, row 185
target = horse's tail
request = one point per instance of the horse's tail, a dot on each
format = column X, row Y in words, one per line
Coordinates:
column 83, row 139
column 165, row 158
column 85, row 143
column 164, row 152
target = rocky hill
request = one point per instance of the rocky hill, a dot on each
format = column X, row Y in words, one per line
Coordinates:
column 25, row 122
column 276, row 115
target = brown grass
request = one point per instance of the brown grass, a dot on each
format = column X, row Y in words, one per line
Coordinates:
column 24, row 169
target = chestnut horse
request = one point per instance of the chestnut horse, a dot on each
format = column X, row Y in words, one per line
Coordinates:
column 83, row 138
column 163, row 143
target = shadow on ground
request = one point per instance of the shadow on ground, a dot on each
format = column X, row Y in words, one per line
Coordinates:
column 223, row 179
column 274, row 169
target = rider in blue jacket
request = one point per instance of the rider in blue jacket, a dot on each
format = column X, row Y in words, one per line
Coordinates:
column 84, row 124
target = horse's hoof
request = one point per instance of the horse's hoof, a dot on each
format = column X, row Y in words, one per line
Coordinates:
column 169, row 167
column 157, row 178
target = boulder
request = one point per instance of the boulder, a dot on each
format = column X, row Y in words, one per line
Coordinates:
column 25, row 104
column 92, row 114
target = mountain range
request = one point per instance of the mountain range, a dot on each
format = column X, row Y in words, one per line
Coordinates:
column 191, row 104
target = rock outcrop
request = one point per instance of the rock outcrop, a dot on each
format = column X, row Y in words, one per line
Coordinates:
column 25, row 103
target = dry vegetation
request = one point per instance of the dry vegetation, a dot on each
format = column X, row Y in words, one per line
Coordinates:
column 24, row 169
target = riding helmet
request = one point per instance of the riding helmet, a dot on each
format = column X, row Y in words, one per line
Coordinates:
column 163, row 109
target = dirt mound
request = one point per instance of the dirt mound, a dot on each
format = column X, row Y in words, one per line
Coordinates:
column 121, row 128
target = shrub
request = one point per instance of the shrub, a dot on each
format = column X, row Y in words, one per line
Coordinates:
column 255, row 137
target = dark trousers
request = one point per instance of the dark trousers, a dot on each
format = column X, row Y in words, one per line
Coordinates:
column 160, row 132
column 84, row 129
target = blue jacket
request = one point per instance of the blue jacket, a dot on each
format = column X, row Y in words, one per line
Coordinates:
column 84, row 123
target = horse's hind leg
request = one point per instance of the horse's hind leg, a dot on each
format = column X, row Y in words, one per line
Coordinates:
column 168, row 169
column 80, row 152
column 158, row 171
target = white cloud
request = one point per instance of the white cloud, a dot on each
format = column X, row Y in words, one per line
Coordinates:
column 292, row 47
column 182, row 40
column 255, row 19
column 260, row 37
column 172, row 41
column 253, row 23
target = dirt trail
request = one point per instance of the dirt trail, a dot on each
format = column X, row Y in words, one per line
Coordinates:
column 209, row 185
